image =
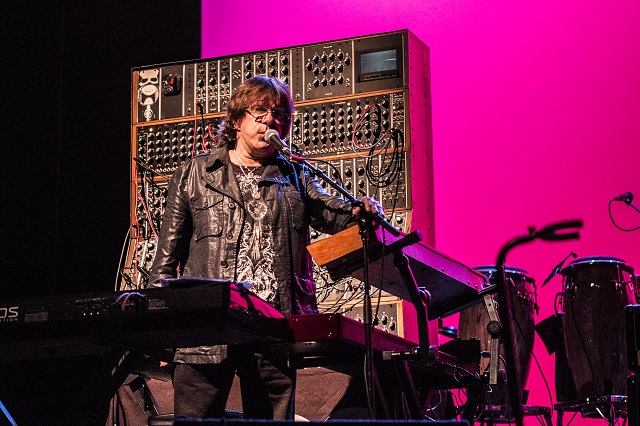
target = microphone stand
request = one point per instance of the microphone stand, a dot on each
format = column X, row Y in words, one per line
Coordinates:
column 558, row 268
column 633, row 206
column 365, row 224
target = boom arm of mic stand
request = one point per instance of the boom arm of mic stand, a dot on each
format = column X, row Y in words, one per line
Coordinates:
column 633, row 206
column 379, row 219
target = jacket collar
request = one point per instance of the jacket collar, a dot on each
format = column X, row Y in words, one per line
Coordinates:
column 220, row 176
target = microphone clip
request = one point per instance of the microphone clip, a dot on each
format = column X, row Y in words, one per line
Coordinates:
column 627, row 197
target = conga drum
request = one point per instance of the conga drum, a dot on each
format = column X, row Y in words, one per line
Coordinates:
column 523, row 296
column 597, row 289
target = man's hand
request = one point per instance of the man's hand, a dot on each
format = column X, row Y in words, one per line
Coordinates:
column 371, row 205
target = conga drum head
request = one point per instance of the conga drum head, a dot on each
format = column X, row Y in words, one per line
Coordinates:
column 597, row 289
column 522, row 294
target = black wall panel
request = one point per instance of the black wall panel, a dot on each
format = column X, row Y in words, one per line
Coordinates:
column 66, row 134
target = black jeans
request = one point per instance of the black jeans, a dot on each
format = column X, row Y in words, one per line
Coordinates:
column 266, row 385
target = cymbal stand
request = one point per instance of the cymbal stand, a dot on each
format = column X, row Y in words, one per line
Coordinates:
column 493, row 328
column 505, row 309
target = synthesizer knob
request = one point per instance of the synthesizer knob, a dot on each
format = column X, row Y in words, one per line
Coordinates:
column 323, row 58
column 323, row 70
column 272, row 61
column 284, row 70
column 340, row 55
column 316, row 83
column 323, row 82
column 248, row 65
column 272, row 72
column 340, row 67
column 284, row 59
column 309, row 65
column 315, row 58
column 347, row 61
column 260, row 64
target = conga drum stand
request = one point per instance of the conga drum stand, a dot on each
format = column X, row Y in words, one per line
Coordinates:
column 609, row 407
column 494, row 414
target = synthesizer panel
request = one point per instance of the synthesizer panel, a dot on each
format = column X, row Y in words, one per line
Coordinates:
column 362, row 115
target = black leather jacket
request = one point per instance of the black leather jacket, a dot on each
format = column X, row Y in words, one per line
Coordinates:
column 204, row 218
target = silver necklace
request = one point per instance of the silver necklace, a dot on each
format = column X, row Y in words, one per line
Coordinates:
column 250, row 183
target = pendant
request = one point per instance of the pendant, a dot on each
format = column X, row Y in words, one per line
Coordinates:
column 255, row 194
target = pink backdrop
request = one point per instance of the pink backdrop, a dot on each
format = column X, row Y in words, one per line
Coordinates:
column 536, row 117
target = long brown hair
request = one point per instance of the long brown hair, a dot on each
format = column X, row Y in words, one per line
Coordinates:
column 257, row 89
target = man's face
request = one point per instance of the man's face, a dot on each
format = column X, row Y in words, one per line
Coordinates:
column 257, row 120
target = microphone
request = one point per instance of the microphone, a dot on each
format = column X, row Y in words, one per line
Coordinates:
column 627, row 197
column 558, row 268
column 273, row 138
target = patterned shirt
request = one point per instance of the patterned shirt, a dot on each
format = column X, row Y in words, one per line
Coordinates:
column 256, row 255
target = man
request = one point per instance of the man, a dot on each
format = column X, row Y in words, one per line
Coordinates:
column 242, row 212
